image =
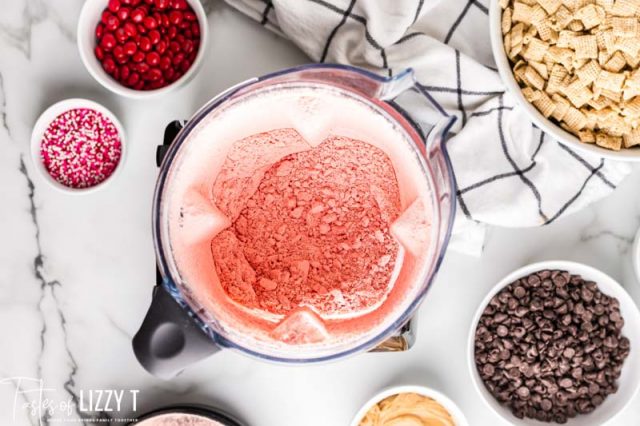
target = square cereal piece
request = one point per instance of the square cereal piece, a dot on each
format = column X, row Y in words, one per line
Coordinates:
column 544, row 104
column 624, row 27
column 530, row 94
column 562, row 18
column 629, row 93
column 586, row 47
column 607, row 5
column 576, row 26
column 521, row 13
column 630, row 45
column 506, row 20
column 574, row 119
column 625, row 7
column 562, row 106
column 533, row 79
column 607, row 141
column 632, row 138
column 529, row 34
column 589, row 72
column 550, row 6
column 535, row 51
column 518, row 73
column 610, row 81
column 504, row 3
column 566, row 39
column 603, row 57
column 560, row 55
column 610, row 41
column 614, row 96
column 577, row 93
column 537, row 14
column 556, row 77
column 633, row 79
column 540, row 69
column 615, row 63
column 631, row 108
column 587, row 136
column 599, row 103
column 590, row 15
column 572, row 5
column 545, row 32
column 507, row 43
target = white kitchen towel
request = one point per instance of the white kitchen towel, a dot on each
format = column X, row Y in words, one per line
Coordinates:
column 508, row 172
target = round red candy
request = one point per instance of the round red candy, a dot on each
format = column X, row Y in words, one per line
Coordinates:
column 147, row 44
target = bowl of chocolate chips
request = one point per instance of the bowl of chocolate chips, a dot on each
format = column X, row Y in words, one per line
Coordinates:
column 556, row 342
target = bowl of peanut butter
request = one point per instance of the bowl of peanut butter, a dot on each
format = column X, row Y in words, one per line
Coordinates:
column 409, row 405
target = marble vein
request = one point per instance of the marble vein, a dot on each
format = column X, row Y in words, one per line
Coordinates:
column 50, row 286
column 33, row 13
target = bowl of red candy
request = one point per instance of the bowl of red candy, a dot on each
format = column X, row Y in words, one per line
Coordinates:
column 142, row 48
column 77, row 145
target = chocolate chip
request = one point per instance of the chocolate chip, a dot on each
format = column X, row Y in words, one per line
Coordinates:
column 565, row 383
column 523, row 392
column 519, row 292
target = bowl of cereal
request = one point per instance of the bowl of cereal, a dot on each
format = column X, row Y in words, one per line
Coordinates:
column 574, row 69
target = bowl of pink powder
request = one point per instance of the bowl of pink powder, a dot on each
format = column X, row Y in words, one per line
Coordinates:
column 77, row 145
column 186, row 415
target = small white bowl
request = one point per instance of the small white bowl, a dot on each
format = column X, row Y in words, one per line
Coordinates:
column 561, row 135
column 629, row 381
column 43, row 123
column 458, row 418
column 90, row 16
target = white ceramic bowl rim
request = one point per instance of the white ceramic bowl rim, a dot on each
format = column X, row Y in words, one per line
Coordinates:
column 629, row 381
column 447, row 403
column 506, row 74
column 43, row 122
column 89, row 18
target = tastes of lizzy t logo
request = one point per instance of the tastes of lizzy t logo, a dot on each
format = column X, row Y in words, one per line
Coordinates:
column 44, row 405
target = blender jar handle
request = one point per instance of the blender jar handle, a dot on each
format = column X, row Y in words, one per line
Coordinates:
column 169, row 339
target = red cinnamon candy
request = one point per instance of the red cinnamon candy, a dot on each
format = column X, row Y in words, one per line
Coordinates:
column 147, row 44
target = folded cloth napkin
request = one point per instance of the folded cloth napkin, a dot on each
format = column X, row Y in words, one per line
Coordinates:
column 508, row 172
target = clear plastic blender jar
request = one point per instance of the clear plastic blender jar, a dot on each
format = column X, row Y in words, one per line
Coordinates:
column 191, row 317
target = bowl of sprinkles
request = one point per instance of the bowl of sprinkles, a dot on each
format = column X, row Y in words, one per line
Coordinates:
column 77, row 145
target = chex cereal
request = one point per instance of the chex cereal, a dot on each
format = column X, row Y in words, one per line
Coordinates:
column 577, row 63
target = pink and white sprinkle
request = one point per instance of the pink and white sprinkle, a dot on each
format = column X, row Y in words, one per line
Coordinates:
column 81, row 148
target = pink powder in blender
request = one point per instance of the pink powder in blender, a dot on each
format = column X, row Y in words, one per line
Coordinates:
column 315, row 232
column 309, row 225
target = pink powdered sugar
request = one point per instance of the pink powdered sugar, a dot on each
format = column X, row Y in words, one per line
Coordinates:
column 312, row 229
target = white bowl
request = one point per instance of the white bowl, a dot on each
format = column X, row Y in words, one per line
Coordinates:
column 635, row 253
column 629, row 380
column 448, row 404
column 43, row 122
column 557, row 132
column 90, row 16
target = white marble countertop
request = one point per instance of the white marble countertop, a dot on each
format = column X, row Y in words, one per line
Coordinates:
column 76, row 272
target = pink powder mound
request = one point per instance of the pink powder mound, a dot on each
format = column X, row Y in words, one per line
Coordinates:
column 179, row 419
column 310, row 229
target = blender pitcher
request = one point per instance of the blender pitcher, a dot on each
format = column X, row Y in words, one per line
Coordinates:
column 191, row 318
